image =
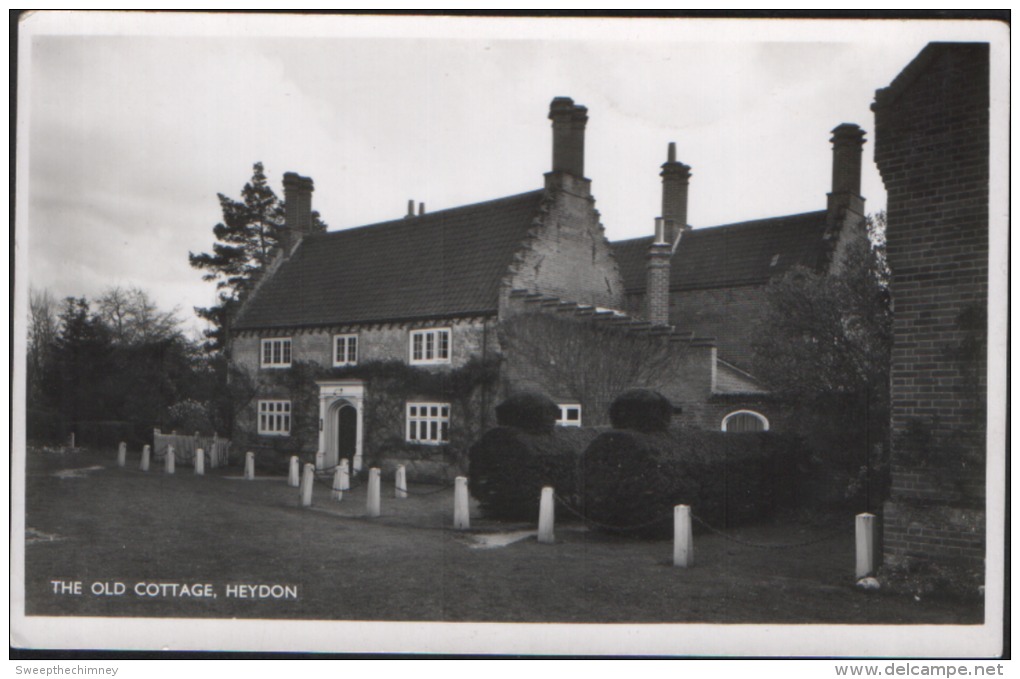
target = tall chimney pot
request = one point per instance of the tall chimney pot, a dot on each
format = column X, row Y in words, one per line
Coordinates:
column 847, row 146
column 297, row 197
column 568, row 122
column 675, row 179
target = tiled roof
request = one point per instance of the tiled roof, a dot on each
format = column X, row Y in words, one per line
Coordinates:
column 444, row 263
column 732, row 380
column 746, row 253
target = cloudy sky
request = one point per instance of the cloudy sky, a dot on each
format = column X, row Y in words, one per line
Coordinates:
column 129, row 125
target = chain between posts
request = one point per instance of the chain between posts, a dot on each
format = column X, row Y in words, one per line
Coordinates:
column 747, row 543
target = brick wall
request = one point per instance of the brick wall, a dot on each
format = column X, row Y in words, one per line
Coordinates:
column 379, row 342
column 931, row 146
column 567, row 254
column 727, row 314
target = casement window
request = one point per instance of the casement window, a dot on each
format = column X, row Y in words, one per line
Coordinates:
column 570, row 415
column 274, row 418
column 430, row 346
column 744, row 421
column 345, row 350
column 276, row 352
column 428, row 423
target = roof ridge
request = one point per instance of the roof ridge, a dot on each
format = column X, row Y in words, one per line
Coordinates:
column 408, row 220
column 730, row 225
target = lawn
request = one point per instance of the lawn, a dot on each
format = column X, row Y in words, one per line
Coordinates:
column 104, row 524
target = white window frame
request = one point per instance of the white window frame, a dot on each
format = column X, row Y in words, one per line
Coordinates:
column 764, row 420
column 274, row 417
column 347, row 356
column 280, row 352
column 430, row 419
column 563, row 420
column 432, row 341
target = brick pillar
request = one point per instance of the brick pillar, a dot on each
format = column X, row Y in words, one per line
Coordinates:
column 657, row 287
column 675, row 179
column 568, row 123
column 297, row 195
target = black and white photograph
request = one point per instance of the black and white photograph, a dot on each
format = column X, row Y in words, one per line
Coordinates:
column 515, row 336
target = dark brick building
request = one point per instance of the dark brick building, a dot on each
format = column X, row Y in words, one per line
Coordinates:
column 932, row 149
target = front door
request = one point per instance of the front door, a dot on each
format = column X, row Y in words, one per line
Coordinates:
column 347, row 433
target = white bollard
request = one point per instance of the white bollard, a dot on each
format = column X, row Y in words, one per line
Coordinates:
column 865, row 545
column 320, row 460
column 293, row 479
column 373, row 492
column 307, row 480
column 356, row 466
column 249, row 466
column 345, row 475
column 121, row 454
column 146, row 454
column 400, row 485
column 199, row 462
column 683, row 539
column 546, row 517
column 170, row 460
column 461, row 519
column 338, row 492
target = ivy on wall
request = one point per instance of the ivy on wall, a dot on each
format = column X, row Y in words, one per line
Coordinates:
column 389, row 385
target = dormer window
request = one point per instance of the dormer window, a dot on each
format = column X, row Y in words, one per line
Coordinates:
column 430, row 346
column 345, row 350
column 276, row 352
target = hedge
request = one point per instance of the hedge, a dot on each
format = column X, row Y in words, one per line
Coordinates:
column 531, row 411
column 630, row 480
column 509, row 466
column 641, row 410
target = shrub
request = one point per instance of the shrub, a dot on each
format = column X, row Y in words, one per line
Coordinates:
column 531, row 411
column 509, row 466
column 631, row 480
column 641, row 410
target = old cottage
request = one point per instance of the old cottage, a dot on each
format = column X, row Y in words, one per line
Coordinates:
column 395, row 340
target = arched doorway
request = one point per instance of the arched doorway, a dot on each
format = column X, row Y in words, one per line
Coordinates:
column 346, row 431
column 341, row 422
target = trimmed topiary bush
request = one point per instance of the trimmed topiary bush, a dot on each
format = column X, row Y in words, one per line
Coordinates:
column 528, row 410
column 509, row 466
column 631, row 480
column 641, row 410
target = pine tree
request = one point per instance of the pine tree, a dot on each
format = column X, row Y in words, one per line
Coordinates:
column 246, row 239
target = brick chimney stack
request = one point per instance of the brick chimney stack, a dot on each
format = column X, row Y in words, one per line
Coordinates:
column 845, row 203
column 568, row 122
column 297, row 196
column 657, row 284
column 847, row 147
column 675, row 179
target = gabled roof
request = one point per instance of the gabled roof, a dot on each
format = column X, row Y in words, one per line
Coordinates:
column 444, row 263
column 746, row 253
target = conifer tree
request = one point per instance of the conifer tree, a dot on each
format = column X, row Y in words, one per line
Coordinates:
column 245, row 243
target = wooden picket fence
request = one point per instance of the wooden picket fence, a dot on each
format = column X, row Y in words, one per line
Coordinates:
column 216, row 449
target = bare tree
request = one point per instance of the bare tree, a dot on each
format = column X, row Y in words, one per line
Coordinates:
column 588, row 360
column 43, row 326
column 133, row 318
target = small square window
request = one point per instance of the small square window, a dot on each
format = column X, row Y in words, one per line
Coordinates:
column 274, row 418
column 276, row 352
column 570, row 415
column 345, row 350
column 428, row 423
column 430, row 346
